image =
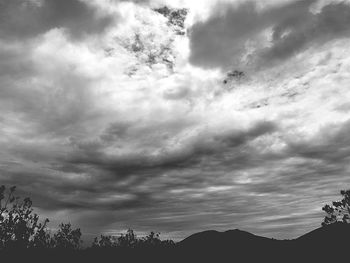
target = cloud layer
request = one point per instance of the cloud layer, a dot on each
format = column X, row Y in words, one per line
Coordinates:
column 112, row 119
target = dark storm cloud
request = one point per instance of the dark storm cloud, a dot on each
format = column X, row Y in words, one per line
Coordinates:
column 142, row 179
column 292, row 35
column 204, row 146
column 75, row 192
column 94, row 175
column 23, row 19
column 221, row 40
column 230, row 152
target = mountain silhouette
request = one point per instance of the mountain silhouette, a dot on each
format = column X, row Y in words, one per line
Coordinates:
column 321, row 245
column 331, row 235
column 224, row 240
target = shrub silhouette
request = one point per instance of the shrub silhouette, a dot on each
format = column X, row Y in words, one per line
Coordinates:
column 339, row 211
column 105, row 242
column 19, row 226
column 153, row 241
column 130, row 240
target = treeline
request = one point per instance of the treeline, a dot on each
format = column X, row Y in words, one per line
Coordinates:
column 21, row 228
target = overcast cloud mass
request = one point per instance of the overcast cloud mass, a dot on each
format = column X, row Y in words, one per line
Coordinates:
column 114, row 115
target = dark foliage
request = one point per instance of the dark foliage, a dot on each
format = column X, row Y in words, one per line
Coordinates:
column 67, row 238
column 338, row 212
column 130, row 240
column 19, row 226
column 153, row 241
column 105, row 242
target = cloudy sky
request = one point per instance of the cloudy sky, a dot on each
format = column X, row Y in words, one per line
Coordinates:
column 226, row 114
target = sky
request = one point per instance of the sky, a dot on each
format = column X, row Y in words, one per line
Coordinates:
column 206, row 115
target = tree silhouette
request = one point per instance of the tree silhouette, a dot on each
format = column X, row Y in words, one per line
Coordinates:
column 19, row 226
column 338, row 212
column 67, row 238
